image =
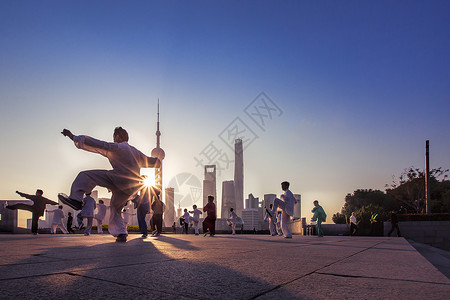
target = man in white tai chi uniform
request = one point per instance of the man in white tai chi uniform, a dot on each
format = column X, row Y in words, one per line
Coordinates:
column 286, row 204
column 123, row 180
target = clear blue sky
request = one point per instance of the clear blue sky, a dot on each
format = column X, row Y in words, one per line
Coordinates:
column 360, row 85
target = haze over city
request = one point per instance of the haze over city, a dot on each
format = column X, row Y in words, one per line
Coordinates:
column 354, row 90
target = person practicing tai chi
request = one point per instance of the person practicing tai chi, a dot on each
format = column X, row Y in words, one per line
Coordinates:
column 353, row 224
column 123, row 180
column 87, row 212
column 37, row 208
column 195, row 218
column 270, row 216
column 126, row 216
column 69, row 222
column 100, row 215
column 158, row 207
column 57, row 220
column 209, row 223
column 232, row 221
column 319, row 216
column 186, row 217
column 286, row 205
column 142, row 205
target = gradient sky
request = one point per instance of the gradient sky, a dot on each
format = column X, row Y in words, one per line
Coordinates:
column 360, row 86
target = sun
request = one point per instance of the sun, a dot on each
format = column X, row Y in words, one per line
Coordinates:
column 148, row 175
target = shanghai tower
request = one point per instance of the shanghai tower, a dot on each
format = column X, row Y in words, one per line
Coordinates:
column 238, row 176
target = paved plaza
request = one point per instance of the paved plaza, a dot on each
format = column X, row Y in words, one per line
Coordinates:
column 222, row 267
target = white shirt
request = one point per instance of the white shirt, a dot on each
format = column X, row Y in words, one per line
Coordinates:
column 353, row 219
column 186, row 216
column 289, row 199
column 196, row 213
column 101, row 211
column 58, row 215
column 88, row 207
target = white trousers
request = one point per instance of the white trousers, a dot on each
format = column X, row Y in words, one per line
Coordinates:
column 278, row 203
column 86, row 181
column 61, row 226
column 99, row 225
column 272, row 227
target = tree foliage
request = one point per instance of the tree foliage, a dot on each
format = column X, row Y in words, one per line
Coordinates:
column 405, row 194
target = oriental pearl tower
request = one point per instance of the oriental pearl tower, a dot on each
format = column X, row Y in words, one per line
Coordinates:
column 159, row 153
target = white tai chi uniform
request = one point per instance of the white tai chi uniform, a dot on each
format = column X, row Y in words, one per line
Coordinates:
column 286, row 204
column 195, row 219
column 123, row 180
column 100, row 215
column 233, row 220
column 126, row 217
column 272, row 219
column 57, row 221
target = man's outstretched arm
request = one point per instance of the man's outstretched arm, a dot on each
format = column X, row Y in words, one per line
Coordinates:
column 66, row 132
column 24, row 195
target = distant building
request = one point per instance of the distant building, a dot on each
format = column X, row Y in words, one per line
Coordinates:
column 209, row 183
column 227, row 198
column 238, row 176
column 298, row 206
column 268, row 199
column 251, row 218
column 251, row 202
column 169, row 213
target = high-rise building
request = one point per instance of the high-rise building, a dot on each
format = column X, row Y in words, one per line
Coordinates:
column 227, row 198
column 298, row 206
column 251, row 202
column 209, row 183
column 238, row 176
column 268, row 199
column 251, row 218
column 169, row 213
column 160, row 154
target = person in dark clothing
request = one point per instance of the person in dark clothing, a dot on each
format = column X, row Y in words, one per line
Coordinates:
column 394, row 223
column 158, row 208
column 69, row 223
column 142, row 204
column 37, row 208
column 209, row 224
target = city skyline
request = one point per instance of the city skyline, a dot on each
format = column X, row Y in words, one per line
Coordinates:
column 352, row 89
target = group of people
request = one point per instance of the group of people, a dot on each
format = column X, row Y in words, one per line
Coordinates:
column 125, row 183
column 279, row 214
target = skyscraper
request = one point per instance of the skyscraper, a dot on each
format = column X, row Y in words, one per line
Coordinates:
column 228, row 202
column 238, row 176
column 209, row 183
column 169, row 213
column 298, row 206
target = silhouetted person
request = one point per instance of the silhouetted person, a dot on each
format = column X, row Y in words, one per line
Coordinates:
column 209, row 224
column 373, row 223
column 174, row 227
column 123, row 180
column 186, row 217
column 353, row 224
column 37, row 208
column 69, row 222
column 319, row 216
column 142, row 205
column 394, row 223
column 57, row 220
column 286, row 204
column 158, row 208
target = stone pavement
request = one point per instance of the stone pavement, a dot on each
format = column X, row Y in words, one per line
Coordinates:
column 221, row 267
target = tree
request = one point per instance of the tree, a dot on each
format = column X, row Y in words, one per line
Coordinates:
column 339, row 218
column 409, row 191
